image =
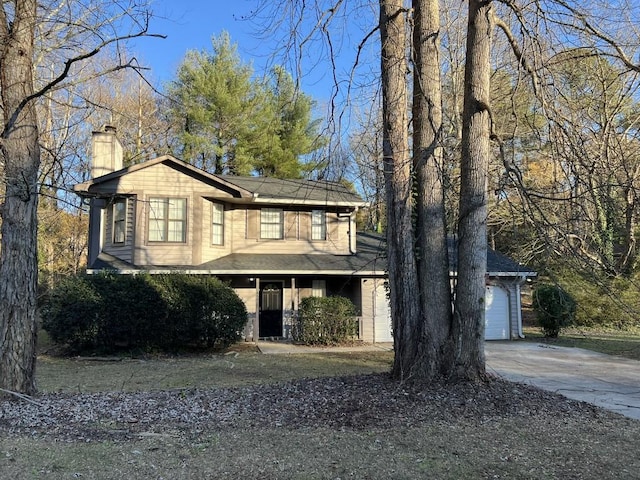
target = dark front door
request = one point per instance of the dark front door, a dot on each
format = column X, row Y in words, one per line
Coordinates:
column 270, row 310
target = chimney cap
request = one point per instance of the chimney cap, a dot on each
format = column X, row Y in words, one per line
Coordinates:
column 106, row 128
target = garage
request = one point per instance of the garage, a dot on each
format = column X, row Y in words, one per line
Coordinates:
column 382, row 316
column 496, row 315
column 496, row 326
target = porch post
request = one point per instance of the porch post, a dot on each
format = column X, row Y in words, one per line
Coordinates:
column 294, row 306
column 256, row 317
column 294, row 296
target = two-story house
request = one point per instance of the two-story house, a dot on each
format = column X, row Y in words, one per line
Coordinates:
column 275, row 241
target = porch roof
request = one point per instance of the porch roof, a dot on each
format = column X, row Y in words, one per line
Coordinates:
column 368, row 261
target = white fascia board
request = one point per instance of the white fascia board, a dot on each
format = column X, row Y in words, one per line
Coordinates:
column 250, row 273
column 453, row 273
column 512, row 274
column 302, row 201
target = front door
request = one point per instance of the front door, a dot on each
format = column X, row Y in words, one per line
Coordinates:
column 270, row 310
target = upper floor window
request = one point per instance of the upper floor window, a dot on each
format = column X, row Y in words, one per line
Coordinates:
column 217, row 224
column 318, row 225
column 119, row 220
column 271, row 223
column 168, row 220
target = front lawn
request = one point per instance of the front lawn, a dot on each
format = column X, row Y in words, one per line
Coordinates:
column 612, row 342
column 321, row 416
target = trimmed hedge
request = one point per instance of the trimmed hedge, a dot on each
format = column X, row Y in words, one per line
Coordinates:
column 554, row 307
column 108, row 313
column 325, row 321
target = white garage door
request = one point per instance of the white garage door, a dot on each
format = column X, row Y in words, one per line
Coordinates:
column 496, row 315
column 383, row 331
column 496, row 326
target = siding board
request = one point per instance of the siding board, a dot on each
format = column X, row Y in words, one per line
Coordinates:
column 291, row 225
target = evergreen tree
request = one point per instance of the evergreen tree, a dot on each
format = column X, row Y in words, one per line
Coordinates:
column 233, row 123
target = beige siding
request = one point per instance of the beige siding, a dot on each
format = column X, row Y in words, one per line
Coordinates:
column 252, row 224
column 242, row 224
column 291, row 226
column 367, row 310
column 249, row 297
column 246, row 228
column 305, row 226
column 158, row 179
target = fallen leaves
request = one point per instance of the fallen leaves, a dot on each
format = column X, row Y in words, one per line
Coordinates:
column 353, row 402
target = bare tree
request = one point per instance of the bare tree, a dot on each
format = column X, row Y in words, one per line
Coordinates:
column 468, row 325
column 403, row 279
column 20, row 154
column 428, row 164
column 20, row 157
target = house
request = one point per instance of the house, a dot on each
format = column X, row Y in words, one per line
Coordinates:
column 275, row 241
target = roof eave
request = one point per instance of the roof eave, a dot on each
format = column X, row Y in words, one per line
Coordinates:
column 249, row 273
column 302, row 201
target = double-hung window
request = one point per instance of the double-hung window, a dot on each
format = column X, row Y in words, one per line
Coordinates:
column 271, row 223
column 168, row 220
column 217, row 224
column 119, row 220
column 318, row 225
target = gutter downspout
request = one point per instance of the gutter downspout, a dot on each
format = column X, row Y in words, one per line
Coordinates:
column 519, row 305
column 352, row 238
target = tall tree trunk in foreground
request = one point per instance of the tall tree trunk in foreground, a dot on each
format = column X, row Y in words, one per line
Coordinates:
column 403, row 281
column 20, row 155
column 468, row 325
column 435, row 288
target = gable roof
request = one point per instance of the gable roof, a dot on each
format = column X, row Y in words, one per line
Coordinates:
column 266, row 189
column 498, row 264
column 260, row 190
column 92, row 185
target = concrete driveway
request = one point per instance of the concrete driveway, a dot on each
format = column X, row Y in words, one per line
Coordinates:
column 603, row 380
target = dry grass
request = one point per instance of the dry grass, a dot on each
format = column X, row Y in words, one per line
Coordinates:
column 612, row 342
column 294, row 429
column 242, row 365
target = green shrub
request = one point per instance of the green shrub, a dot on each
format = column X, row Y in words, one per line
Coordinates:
column 554, row 307
column 106, row 313
column 71, row 313
column 325, row 321
column 603, row 302
column 203, row 311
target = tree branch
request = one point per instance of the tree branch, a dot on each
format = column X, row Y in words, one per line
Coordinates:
column 67, row 67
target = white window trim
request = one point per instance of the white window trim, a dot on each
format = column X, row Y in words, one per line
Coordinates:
column 215, row 224
column 119, row 221
column 322, row 225
column 167, row 220
column 266, row 226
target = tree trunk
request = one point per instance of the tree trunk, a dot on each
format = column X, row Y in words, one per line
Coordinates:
column 403, row 281
column 435, row 288
column 468, row 325
column 20, row 155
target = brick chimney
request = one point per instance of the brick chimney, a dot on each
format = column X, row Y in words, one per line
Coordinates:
column 106, row 152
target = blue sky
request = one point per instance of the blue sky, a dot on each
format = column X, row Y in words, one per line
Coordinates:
column 190, row 24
